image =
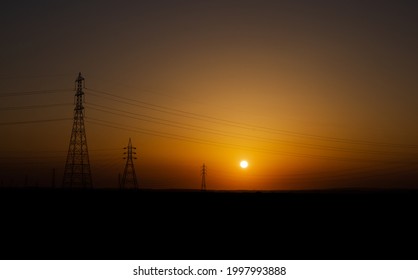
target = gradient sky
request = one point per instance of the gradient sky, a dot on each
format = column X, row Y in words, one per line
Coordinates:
column 312, row 93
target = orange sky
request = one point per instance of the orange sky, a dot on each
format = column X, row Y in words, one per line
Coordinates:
column 312, row 95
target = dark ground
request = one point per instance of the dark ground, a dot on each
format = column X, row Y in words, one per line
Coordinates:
column 38, row 223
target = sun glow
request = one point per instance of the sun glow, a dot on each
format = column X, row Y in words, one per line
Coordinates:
column 243, row 164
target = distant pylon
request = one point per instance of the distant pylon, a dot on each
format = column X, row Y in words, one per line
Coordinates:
column 129, row 176
column 53, row 178
column 119, row 181
column 77, row 167
column 203, row 187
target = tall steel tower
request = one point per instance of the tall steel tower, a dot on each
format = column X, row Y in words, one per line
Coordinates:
column 129, row 176
column 77, row 167
column 203, row 187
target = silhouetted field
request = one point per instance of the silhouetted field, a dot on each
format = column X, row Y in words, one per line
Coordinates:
column 163, row 224
column 172, row 201
column 146, row 202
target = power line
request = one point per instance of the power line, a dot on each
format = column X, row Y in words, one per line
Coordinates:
column 186, row 114
column 55, row 151
column 233, row 135
column 221, row 144
column 192, row 115
column 35, row 121
column 202, row 117
column 43, row 153
column 34, row 92
column 33, row 76
column 13, row 108
column 181, row 125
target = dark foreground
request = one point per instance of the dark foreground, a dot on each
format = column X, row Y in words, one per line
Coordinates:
column 111, row 224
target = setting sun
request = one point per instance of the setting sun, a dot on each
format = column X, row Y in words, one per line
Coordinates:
column 243, row 164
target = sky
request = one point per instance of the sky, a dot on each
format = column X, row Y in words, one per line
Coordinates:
column 313, row 94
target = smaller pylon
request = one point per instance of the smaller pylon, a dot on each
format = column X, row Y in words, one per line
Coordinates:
column 203, row 187
column 53, row 178
column 129, row 176
column 119, row 181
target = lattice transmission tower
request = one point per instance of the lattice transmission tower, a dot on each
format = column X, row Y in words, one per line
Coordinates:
column 77, row 171
column 204, row 171
column 129, row 176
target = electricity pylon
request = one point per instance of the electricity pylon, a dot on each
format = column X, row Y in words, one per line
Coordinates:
column 77, row 167
column 203, row 186
column 129, row 176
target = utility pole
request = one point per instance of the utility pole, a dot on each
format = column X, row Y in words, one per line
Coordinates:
column 53, row 178
column 129, row 176
column 119, row 181
column 77, row 167
column 203, row 186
